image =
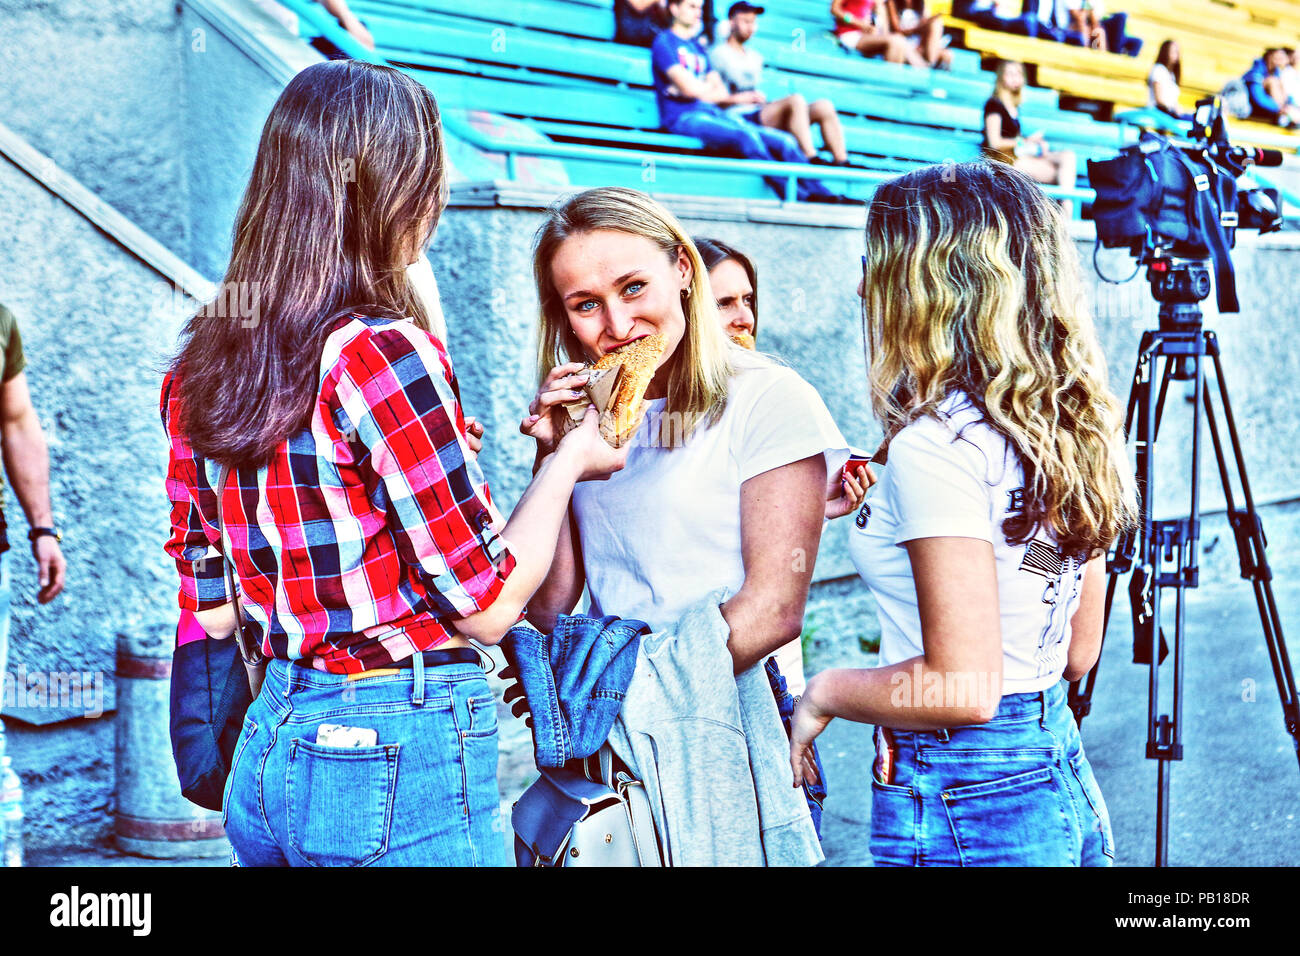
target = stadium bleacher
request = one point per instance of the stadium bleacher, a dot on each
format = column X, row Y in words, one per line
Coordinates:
column 551, row 65
column 1218, row 41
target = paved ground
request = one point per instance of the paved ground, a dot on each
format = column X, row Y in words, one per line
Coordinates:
column 1234, row 796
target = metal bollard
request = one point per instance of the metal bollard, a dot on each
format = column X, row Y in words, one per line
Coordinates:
column 152, row 817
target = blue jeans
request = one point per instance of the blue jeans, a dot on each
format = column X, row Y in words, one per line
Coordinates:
column 1017, row 791
column 815, row 793
column 984, row 15
column 425, row 795
column 574, row 679
column 748, row 140
column 1117, row 38
column 1050, row 31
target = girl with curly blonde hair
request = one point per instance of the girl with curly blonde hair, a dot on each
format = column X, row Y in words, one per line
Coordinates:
column 984, row 543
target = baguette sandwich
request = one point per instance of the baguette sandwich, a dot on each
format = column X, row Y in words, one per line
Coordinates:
column 616, row 385
column 745, row 340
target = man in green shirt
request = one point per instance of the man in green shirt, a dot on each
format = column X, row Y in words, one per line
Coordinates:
column 27, row 465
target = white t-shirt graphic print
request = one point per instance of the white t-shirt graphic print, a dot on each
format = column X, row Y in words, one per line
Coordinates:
column 955, row 476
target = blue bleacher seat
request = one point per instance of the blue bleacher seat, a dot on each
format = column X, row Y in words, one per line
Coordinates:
column 552, row 64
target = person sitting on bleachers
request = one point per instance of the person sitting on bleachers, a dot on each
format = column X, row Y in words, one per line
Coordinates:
column 741, row 68
column 1029, row 154
column 1163, row 81
column 1105, row 33
column 984, row 13
column 638, row 22
column 856, row 29
column 1289, row 76
column 348, row 20
column 693, row 100
column 1269, row 99
column 1054, row 21
column 907, row 19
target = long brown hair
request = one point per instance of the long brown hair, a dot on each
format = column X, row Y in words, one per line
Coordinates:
column 972, row 284
column 1174, row 64
column 347, row 187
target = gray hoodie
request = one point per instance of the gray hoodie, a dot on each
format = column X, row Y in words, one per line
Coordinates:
column 711, row 750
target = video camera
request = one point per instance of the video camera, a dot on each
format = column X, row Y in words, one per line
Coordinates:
column 1166, row 203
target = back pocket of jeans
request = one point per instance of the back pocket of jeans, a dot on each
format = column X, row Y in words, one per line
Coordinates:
column 1018, row 820
column 894, row 821
column 339, row 801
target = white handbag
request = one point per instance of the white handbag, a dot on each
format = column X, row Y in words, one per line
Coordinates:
column 571, row 819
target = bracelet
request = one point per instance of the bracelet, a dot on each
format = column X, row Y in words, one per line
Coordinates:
column 40, row 532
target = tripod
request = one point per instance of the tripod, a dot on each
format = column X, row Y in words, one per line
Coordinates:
column 1166, row 550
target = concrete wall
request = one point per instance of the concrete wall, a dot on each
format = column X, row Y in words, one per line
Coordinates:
column 96, row 325
column 96, row 85
column 236, row 63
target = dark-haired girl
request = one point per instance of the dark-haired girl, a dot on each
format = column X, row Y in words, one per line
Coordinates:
column 1164, row 79
column 366, row 548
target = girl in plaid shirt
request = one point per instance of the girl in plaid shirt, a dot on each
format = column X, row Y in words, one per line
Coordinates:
column 362, row 533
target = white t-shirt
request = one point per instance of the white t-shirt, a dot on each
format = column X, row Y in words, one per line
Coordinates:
column 1160, row 76
column 1290, row 78
column 662, row 533
column 740, row 69
column 958, row 477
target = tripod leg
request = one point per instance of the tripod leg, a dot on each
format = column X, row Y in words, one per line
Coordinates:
column 1248, row 530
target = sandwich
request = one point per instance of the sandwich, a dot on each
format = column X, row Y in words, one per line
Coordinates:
column 616, row 385
column 745, row 340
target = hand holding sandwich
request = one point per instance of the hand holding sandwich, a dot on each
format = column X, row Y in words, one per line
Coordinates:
column 595, row 459
column 563, row 384
column 615, row 384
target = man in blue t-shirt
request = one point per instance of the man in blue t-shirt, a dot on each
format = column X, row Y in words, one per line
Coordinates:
column 692, row 98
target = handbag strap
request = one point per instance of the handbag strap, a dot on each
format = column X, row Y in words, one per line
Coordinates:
column 249, row 651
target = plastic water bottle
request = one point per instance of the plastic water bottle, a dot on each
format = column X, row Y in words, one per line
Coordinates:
column 11, row 813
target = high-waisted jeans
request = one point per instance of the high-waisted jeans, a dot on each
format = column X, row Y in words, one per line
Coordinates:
column 424, row 795
column 1017, row 791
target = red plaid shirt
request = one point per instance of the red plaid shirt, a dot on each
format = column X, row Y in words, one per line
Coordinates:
column 369, row 532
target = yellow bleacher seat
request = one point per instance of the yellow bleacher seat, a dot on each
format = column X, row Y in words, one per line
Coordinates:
column 1219, row 42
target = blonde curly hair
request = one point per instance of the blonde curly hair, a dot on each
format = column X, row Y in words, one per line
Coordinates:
column 971, row 283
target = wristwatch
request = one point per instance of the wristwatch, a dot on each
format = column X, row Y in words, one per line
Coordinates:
column 42, row 532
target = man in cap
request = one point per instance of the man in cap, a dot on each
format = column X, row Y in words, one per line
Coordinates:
column 741, row 68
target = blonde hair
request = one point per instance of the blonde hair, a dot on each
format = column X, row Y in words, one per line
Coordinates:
column 700, row 368
column 999, row 87
column 972, row 284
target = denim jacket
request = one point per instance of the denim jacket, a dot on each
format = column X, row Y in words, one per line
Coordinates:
column 711, row 750
column 575, row 679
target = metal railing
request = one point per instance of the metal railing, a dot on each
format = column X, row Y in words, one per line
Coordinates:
column 329, row 28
